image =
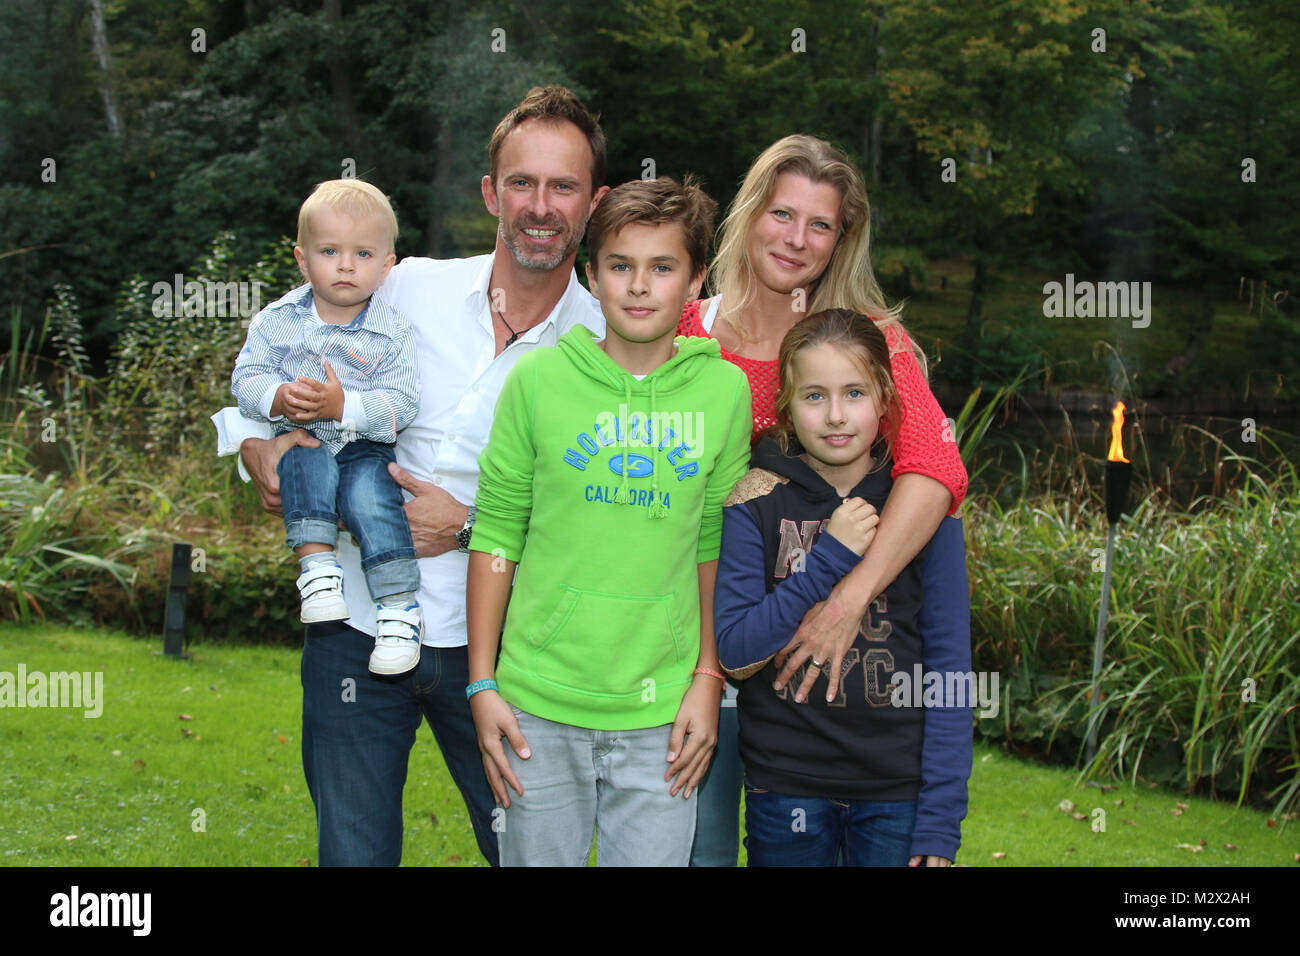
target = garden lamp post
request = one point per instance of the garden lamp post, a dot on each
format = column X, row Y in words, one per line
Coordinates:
column 174, row 622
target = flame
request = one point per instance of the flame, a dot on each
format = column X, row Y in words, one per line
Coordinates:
column 1116, row 452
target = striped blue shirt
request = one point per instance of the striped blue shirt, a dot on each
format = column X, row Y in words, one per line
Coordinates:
column 373, row 356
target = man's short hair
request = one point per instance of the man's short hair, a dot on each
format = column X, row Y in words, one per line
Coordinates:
column 656, row 201
column 551, row 104
column 354, row 198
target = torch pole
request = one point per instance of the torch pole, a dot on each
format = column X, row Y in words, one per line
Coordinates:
column 1101, row 640
column 1119, row 472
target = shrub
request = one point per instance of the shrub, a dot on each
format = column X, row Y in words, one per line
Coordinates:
column 47, row 548
column 241, row 590
column 1205, row 613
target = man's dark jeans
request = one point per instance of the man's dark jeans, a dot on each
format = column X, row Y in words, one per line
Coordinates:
column 357, row 734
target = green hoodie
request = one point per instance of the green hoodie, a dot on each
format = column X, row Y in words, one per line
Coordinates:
column 608, row 491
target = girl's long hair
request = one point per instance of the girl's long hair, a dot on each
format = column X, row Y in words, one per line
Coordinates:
column 848, row 281
column 853, row 333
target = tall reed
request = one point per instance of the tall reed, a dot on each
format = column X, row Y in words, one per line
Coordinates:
column 1203, row 646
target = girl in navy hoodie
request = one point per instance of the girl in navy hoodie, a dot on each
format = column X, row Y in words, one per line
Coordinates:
column 869, row 778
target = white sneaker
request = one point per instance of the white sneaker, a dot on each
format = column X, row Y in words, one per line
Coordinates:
column 321, row 588
column 397, row 642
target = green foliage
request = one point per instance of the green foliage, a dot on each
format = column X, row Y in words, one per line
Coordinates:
column 1203, row 600
column 902, row 269
column 241, row 589
column 1235, row 99
column 1013, row 348
column 983, row 86
column 47, row 551
column 122, row 477
column 701, row 98
column 972, row 424
column 171, row 369
column 1271, row 345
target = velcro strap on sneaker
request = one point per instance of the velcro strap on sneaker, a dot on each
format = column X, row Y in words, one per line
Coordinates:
column 320, row 578
column 398, row 622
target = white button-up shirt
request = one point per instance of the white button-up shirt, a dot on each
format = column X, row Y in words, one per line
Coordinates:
column 449, row 306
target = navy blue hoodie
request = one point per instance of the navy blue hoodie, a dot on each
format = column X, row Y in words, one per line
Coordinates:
column 774, row 565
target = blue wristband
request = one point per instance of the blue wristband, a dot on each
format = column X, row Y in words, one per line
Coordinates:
column 479, row 685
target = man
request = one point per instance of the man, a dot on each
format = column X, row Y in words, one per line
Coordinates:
column 473, row 319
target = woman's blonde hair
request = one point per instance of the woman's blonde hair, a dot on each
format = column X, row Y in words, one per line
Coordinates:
column 856, row 335
column 848, row 281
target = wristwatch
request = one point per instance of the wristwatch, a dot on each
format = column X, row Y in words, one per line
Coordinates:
column 463, row 535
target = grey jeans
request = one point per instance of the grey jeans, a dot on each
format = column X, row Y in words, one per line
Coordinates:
column 608, row 781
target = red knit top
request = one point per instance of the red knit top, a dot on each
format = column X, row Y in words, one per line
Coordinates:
column 925, row 444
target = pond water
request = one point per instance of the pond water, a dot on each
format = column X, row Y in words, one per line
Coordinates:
column 1187, row 455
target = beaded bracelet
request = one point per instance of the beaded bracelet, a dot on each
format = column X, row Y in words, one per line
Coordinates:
column 479, row 685
column 710, row 672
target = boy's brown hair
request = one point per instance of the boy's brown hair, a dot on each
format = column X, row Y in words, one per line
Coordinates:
column 551, row 104
column 656, row 201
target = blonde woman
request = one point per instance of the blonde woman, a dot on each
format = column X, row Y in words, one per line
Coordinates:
column 796, row 241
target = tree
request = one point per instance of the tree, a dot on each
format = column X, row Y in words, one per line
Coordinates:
column 991, row 92
column 100, row 37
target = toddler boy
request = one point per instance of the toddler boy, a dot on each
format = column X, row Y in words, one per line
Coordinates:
column 334, row 357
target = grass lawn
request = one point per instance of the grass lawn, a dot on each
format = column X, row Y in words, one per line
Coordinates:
column 123, row 789
column 125, row 786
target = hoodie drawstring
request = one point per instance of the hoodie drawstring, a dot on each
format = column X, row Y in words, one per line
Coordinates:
column 624, row 493
column 657, row 507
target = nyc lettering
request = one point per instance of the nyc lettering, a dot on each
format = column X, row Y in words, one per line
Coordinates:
column 878, row 663
column 878, row 668
column 796, row 541
column 795, row 538
column 609, row 430
column 873, row 627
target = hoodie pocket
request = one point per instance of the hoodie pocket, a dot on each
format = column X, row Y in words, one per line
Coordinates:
column 608, row 644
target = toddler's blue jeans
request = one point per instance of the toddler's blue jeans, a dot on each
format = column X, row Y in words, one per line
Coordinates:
column 317, row 487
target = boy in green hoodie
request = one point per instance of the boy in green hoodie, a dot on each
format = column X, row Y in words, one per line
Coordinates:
column 603, row 481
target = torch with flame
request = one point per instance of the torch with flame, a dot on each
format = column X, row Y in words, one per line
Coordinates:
column 1119, row 472
column 1118, row 468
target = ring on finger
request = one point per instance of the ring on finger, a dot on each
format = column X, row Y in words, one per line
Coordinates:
column 818, row 664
